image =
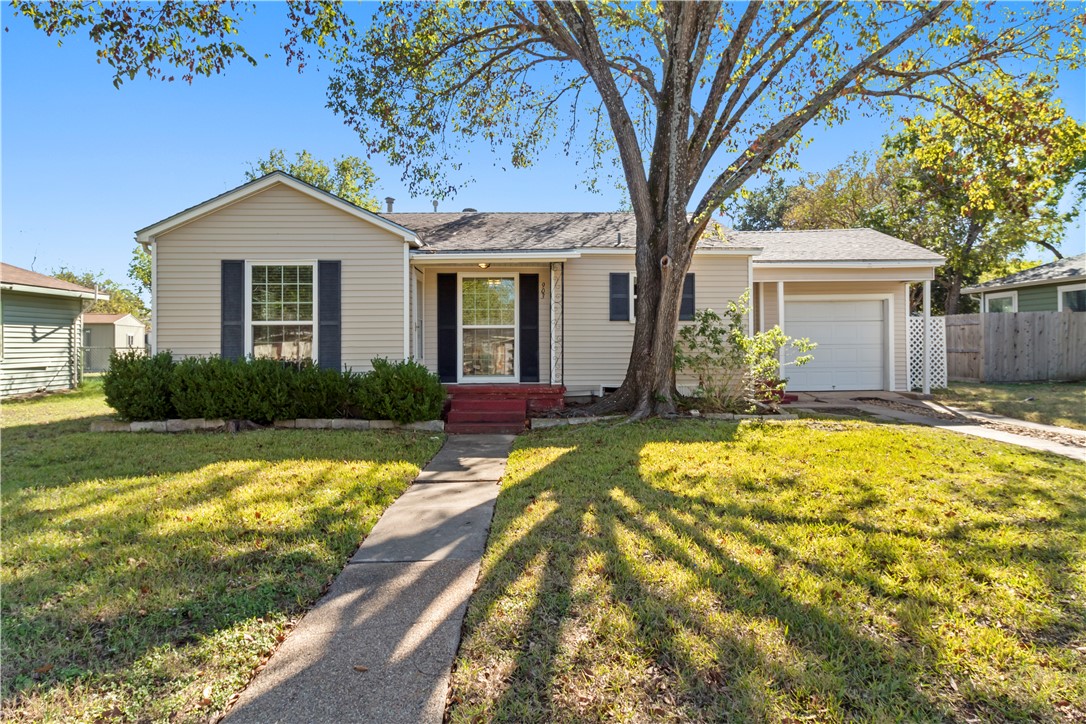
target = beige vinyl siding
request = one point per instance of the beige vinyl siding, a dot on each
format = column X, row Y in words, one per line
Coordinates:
column 429, row 308
column 768, row 294
column 281, row 225
column 41, row 342
column 597, row 349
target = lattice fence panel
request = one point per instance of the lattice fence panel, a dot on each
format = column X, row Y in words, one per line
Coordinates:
column 916, row 352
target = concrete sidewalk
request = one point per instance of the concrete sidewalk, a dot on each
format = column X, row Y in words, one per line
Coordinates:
column 380, row 645
column 963, row 426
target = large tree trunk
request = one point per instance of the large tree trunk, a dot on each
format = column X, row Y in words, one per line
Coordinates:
column 954, row 276
column 953, row 292
column 649, row 386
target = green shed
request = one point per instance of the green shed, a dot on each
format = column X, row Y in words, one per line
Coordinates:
column 42, row 330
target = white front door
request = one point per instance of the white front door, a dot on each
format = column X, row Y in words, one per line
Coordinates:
column 488, row 328
column 852, row 341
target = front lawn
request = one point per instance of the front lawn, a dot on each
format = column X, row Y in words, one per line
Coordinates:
column 145, row 576
column 1053, row 403
column 799, row 571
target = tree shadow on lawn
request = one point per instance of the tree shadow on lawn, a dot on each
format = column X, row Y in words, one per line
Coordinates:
column 639, row 574
column 120, row 546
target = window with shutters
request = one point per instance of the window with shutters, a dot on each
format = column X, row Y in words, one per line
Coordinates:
column 281, row 308
column 686, row 310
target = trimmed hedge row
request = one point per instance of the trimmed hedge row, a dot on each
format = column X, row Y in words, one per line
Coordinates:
column 141, row 387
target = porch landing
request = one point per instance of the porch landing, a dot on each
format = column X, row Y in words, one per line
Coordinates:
column 498, row 408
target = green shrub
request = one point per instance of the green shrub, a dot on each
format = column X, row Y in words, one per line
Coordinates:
column 137, row 386
column 208, row 387
column 324, row 393
column 736, row 372
column 401, row 391
column 265, row 390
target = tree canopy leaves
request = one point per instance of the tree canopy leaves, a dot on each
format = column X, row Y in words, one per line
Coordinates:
column 122, row 300
column 348, row 177
column 181, row 38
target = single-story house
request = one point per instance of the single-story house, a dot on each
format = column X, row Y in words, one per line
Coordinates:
column 1058, row 286
column 278, row 268
column 104, row 334
column 42, row 329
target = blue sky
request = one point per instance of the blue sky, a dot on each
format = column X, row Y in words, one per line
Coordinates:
column 84, row 165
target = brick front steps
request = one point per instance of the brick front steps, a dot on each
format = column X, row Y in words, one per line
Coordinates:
column 498, row 409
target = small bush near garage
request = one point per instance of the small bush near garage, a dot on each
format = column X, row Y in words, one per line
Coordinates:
column 263, row 390
column 138, row 386
column 401, row 391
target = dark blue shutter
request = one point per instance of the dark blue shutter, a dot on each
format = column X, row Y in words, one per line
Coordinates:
column 232, row 289
column 529, row 328
column 329, row 315
column 446, row 327
column 620, row 297
column 686, row 306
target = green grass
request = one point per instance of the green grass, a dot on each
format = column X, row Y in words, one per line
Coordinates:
column 796, row 571
column 146, row 576
column 1053, row 403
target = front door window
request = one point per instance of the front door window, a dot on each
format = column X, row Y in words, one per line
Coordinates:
column 488, row 327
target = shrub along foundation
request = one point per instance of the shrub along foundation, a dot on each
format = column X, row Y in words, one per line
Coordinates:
column 201, row 425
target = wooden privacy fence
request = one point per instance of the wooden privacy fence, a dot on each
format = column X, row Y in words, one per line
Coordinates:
column 1016, row 346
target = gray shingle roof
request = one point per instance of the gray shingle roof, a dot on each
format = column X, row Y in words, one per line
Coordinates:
column 555, row 231
column 832, row 245
column 1070, row 267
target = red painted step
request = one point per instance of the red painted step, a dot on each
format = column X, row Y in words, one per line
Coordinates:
column 488, row 405
column 487, row 416
column 484, row 428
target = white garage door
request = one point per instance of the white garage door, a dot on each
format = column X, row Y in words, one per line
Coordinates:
column 851, row 351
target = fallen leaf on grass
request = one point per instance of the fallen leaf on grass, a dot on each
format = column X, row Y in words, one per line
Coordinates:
column 44, row 669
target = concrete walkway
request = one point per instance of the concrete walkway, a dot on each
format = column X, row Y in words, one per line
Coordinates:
column 380, row 645
column 963, row 426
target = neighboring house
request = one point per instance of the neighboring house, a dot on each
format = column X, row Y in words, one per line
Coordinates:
column 1059, row 286
column 279, row 268
column 42, row 330
column 104, row 334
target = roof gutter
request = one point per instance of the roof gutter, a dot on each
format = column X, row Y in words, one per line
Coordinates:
column 30, row 289
column 490, row 257
column 847, row 264
column 1022, row 285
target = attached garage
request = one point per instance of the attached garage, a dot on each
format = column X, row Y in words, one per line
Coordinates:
column 853, row 337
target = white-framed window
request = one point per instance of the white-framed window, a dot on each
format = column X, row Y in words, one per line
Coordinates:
column 489, row 307
column 86, row 337
column 633, row 297
column 1001, row 302
column 130, row 341
column 281, row 310
column 1071, row 297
